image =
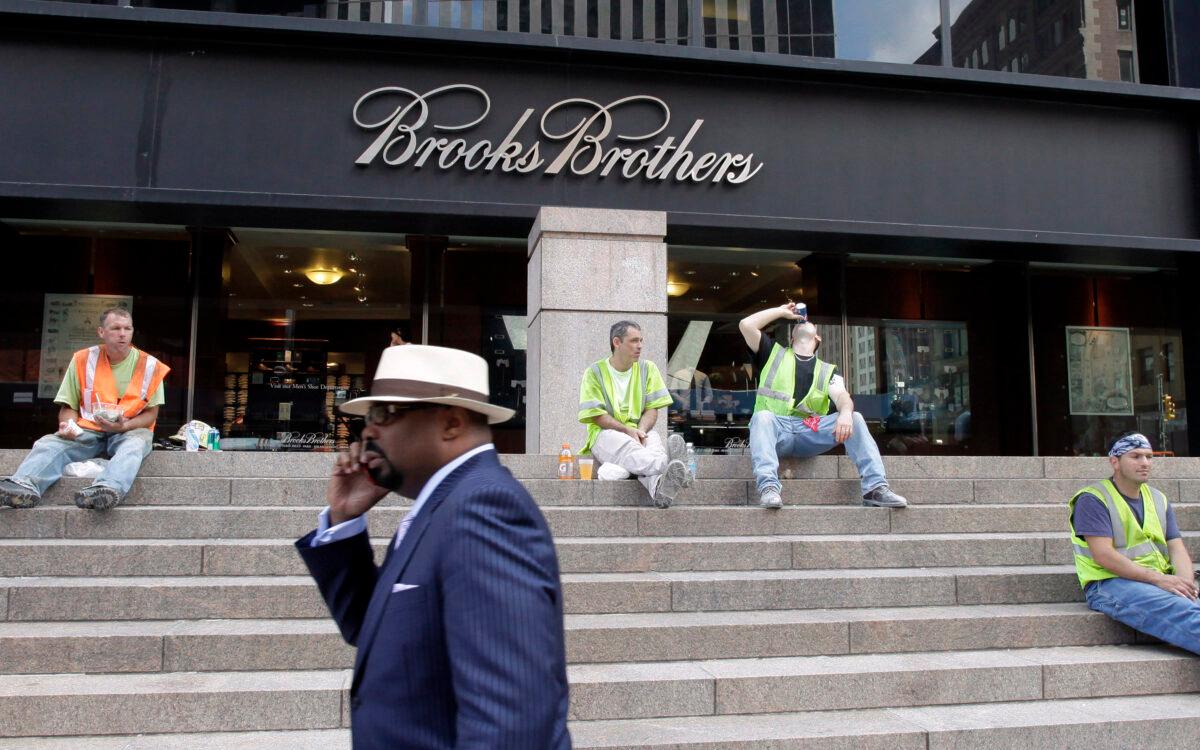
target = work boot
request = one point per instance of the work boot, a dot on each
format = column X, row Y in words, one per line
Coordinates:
column 13, row 495
column 770, row 499
column 97, row 497
column 669, row 484
column 883, row 497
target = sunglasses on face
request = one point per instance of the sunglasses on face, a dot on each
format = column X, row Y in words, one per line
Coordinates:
column 383, row 414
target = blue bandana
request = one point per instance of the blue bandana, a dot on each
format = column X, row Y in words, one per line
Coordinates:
column 1129, row 443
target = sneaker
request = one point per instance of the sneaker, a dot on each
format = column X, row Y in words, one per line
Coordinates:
column 883, row 497
column 13, row 495
column 770, row 499
column 97, row 497
column 670, row 483
column 677, row 451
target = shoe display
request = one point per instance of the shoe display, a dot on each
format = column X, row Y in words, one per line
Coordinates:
column 670, row 484
column 13, row 495
column 883, row 497
column 770, row 499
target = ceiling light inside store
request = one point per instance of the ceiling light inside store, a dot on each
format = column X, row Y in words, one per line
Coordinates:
column 676, row 288
column 324, row 276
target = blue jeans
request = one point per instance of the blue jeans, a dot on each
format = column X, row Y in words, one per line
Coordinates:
column 1148, row 609
column 44, row 464
column 773, row 437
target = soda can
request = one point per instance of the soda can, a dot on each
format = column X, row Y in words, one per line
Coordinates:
column 214, row 439
column 802, row 310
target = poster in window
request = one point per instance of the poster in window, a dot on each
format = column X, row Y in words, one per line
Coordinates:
column 1099, row 371
column 69, row 323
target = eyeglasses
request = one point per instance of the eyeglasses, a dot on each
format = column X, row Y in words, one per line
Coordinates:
column 379, row 415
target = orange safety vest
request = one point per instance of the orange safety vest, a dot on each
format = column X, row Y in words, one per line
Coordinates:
column 96, row 384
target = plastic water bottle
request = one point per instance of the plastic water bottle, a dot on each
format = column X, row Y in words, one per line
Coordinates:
column 691, row 459
column 566, row 462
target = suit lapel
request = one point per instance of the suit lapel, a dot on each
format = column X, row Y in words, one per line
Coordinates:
column 394, row 565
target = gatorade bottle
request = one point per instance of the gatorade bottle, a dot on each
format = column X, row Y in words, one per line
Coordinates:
column 566, row 463
column 691, row 459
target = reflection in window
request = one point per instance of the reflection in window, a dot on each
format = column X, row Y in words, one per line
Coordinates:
column 1046, row 37
column 911, row 378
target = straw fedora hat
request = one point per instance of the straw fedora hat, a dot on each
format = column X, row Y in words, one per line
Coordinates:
column 430, row 374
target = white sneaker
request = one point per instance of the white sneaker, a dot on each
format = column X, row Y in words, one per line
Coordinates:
column 770, row 499
column 669, row 484
column 677, row 451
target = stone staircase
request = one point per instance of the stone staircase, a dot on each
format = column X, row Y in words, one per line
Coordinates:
column 184, row 618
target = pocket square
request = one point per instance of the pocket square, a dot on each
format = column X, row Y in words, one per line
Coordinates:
column 398, row 587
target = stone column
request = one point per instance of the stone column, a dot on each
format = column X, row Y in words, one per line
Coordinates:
column 588, row 268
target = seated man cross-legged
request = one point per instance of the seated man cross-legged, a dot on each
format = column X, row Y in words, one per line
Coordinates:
column 109, row 402
column 795, row 388
column 1129, row 554
column 619, row 400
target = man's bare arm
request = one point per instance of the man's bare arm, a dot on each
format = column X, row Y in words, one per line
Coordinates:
column 1181, row 559
column 751, row 326
column 1106, row 555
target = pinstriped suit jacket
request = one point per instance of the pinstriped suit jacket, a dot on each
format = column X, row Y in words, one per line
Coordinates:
column 471, row 656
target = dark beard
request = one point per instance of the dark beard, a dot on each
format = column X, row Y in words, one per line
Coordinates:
column 385, row 475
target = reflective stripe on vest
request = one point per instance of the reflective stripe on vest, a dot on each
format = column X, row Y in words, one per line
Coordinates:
column 89, row 383
column 608, row 407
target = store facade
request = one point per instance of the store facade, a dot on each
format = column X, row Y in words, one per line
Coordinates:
column 1000, row 264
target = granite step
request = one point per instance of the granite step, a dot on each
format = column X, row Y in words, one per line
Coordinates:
column 674, row 636
column 203, row 645
column 310, row 739
column 827, row 683
column 317, row 465
column 183, row 597
column 261, row 557
column 198, row 522
column 1082, row 724
column 1074, row 724
column 71, row 704
column 632, row 691
column 292, row 491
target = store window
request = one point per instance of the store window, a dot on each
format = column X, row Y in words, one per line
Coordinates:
column 926, row 360
column 709, row 370
column 61, row 275
column 1093, row 332
column 301, row 319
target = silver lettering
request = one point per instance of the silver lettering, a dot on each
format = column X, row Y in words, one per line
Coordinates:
column 590, row 134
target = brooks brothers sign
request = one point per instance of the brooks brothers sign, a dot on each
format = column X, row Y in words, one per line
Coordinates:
column 576, row 136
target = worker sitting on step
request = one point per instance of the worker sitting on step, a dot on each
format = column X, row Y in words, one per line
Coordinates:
column 619, row 400
column 1129, row 554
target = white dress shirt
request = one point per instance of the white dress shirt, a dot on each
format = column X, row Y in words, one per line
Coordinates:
column 357, row 525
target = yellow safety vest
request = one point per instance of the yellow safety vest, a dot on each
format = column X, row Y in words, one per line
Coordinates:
column 1146, row 544
column 596, row 396
column 777, row 386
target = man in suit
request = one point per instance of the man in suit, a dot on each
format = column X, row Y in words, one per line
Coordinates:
column 460, row 631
